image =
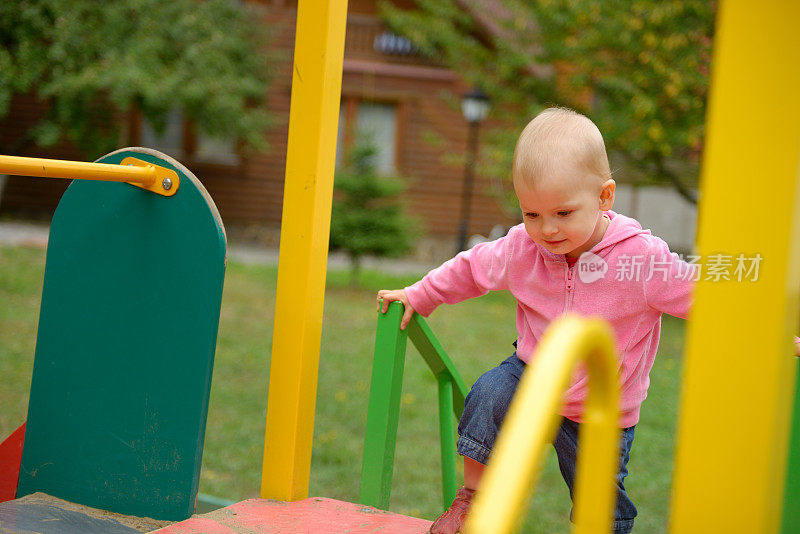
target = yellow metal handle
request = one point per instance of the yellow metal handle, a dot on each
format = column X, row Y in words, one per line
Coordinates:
column 531, row 424
column 133, row 171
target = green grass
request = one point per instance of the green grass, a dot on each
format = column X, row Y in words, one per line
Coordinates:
column 476, row 334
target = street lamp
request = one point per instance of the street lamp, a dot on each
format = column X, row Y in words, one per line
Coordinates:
column 475, row 108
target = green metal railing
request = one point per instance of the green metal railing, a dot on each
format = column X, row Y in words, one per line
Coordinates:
column 384, row 405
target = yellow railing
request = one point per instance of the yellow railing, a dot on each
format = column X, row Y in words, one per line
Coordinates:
column 131, row 170
column 531, row 424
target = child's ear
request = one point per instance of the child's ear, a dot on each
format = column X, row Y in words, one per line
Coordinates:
column 607, row 194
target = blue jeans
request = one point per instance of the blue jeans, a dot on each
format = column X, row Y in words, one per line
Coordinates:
column 484, row 410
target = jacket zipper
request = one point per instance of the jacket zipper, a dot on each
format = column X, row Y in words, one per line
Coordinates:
column 570, row 286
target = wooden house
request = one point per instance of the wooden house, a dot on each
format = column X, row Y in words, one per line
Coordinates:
column 408, row 104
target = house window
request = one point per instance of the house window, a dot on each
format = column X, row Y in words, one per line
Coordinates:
column 171, row 140
column 369, row 122
column 391, row 44
column 180, row 140
column 216, row 149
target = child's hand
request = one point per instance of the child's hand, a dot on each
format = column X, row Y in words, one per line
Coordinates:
column 388, row 296
column 797, row 344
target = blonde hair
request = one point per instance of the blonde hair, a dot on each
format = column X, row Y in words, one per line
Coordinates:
column 555, row 136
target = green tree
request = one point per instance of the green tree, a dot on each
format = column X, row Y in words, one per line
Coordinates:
column 367, row 217
column 638, row 68
column 92, row 62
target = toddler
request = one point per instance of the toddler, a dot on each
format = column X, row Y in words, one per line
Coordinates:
column 571, row 254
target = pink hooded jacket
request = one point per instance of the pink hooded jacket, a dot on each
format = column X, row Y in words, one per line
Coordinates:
column 630, row 279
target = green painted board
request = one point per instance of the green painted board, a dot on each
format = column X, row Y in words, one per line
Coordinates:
column 791, row 504
column 384, row 409
column 125, row 346
column 384, row 405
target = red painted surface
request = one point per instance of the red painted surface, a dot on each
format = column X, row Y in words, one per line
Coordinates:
column 315, row 515
column 10, row 460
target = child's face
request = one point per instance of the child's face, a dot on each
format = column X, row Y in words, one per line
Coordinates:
column 563, row 212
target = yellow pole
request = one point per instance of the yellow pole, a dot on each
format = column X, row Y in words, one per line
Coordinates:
column 55, row 168
column 308, row 191
column 739, row 369
column 531, row 424
column 131, row 170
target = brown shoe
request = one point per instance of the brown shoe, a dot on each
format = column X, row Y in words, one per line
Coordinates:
column 453, row 518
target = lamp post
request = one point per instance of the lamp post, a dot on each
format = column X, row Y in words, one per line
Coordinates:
column 475, row 108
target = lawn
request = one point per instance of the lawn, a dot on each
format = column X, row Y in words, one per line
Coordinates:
column 477, row 335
